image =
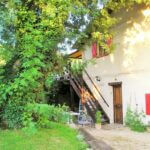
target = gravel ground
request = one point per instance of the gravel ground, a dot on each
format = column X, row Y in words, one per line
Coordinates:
column 121, row 138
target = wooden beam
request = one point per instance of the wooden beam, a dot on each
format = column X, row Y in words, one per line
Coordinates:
column 115, row 83
column 72, row 97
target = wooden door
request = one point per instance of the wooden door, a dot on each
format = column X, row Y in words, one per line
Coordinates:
column 118, row 112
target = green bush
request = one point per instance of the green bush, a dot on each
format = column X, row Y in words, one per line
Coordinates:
column 133, row 120
column 98, row 117
column 40, row 115
column 11, row 117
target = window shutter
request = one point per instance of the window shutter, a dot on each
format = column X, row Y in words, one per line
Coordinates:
column 94, row 50
column 147, row 96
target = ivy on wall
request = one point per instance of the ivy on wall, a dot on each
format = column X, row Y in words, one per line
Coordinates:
column 103, row 21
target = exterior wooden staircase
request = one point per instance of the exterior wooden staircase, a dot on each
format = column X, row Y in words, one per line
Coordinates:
column 88, row 100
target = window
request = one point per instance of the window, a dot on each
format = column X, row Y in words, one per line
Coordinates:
column 98, row 51
column 101, row 52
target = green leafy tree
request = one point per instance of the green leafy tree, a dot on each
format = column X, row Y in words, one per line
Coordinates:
column 31, row 31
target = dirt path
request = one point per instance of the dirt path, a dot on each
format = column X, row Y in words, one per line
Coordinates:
column 121, row 138
column 94, row 144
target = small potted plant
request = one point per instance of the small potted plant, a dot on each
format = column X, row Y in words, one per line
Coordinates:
column 98, row 119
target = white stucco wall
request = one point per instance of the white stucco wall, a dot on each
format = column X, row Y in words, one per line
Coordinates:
column 129, row 63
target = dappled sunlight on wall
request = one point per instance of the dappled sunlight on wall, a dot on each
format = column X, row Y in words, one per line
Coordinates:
column 136, row 38
column 112, row 58
column 129, row 63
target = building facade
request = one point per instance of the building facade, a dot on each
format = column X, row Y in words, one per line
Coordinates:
column 123, row 77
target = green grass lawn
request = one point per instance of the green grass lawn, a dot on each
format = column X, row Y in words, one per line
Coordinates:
column 59, row 137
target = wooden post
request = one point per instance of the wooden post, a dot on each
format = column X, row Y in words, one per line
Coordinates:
column 82, row 95
column 72, row 97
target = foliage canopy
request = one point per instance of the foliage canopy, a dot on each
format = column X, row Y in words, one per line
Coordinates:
column 31, row 31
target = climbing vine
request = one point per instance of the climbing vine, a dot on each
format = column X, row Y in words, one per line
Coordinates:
column 37, row 27
column 104, row 21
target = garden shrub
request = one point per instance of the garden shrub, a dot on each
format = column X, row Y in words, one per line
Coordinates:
column 11, row 116
column 41, row 114
column 98, row 117
column 134, row 121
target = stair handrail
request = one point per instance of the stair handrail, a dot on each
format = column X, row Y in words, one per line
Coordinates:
column 78, row 83
column 75, row 87
column 96, row 88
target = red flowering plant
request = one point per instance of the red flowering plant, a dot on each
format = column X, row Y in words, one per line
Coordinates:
column 103, row 41
column 109, row 41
